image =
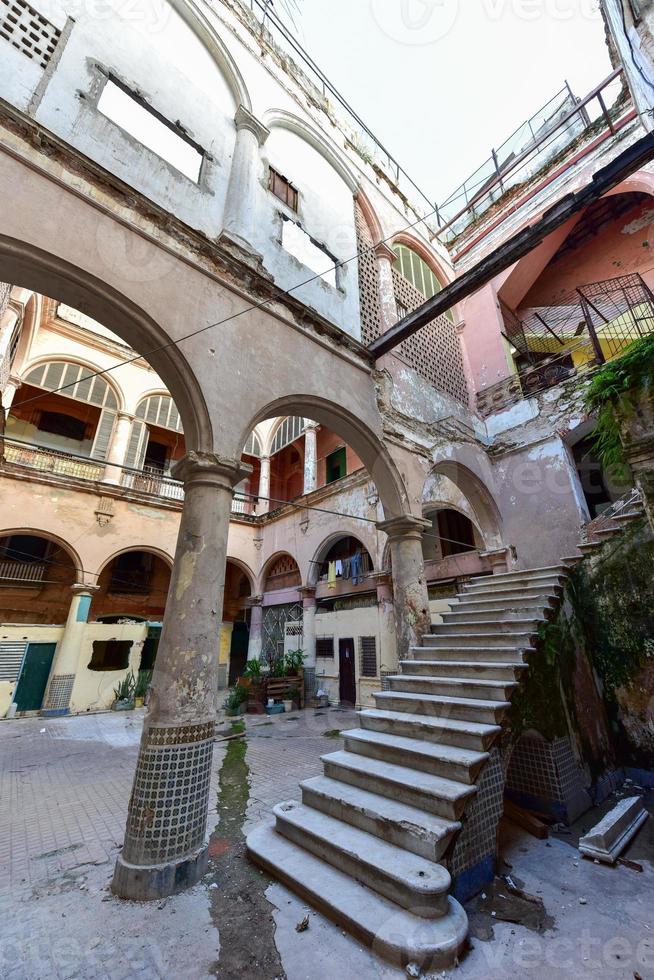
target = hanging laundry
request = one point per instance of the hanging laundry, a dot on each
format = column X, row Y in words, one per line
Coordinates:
column 356, row 568
column 347, row 567
column 339, row 568
column 331, row 575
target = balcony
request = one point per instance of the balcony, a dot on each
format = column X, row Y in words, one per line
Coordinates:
column 21, row 574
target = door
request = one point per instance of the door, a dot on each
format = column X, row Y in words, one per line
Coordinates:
column 347, row 684
column 34, row 676
column 238, row 653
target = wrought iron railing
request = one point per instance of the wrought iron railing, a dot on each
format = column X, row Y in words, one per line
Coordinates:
column 629, row 503
column 51, row 460
column 153, row 481
column 21, row 574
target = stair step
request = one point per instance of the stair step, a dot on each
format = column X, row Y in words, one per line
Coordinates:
column 458, row 687
column 498, row 616
column 474, row 638
column 516, row 579
column 448, row 761
column 444, row 797
column 607, row 532
column 463, row 709
column 468, row 669
column 444, row 730
column 489, row 627
column 405, row 826
column 503, row 603
column 403, row 877
column 391, row 932
column 454, row 653
column 507, row 594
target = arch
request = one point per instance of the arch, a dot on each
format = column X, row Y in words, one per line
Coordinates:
column 413, row 243
column 55, row 539
column 368, row 446
column 274, row 558
column 276, row 438
column 281, row 119
column 202, row 27
column 323, row 550
column 30, row 309
column 252, row 446
column 86, row 366
column 29, row 266
column 166, row 408
column 247, row 571
column 370, row 217
column 157, row 552
column 487, row 514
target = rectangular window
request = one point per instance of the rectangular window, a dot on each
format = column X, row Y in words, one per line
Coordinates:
column 282, row 188
column 151, row 129
column 368, row 656
column 302, row 246
column 325, row 647
column 110, row 655
column 336, row 465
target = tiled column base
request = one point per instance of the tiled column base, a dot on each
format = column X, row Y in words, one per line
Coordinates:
column 167, row 814
column 58, row 698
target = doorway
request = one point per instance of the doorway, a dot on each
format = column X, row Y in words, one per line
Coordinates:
column 347, row 683
column 238, row 653
column 34, row 676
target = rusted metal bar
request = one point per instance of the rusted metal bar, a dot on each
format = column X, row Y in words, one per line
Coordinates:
column 630, row 160
column 605, row 111
column 547, row 327
column 594, row 339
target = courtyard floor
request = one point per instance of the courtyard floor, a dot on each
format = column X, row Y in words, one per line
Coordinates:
column 64, row 787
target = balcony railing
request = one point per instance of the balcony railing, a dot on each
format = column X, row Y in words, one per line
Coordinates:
column 21, row 574
column 148, row 480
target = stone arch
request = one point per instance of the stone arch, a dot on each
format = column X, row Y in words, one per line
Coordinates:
column 368, row 446
column 323, row 549
column 88, row 365
column 281, row 119
column 247, row 571
column 270, row 562
column 370, row 217
column 25, row 264
column 31, row 305
column 274, row 429
column 487, row 515
column 38, row 532
column 202, row 27
column 412, row 242
column 150, row 549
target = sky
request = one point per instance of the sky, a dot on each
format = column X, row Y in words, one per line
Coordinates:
column 440, row 82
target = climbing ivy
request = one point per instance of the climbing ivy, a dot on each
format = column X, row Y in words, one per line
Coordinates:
column 537, row 703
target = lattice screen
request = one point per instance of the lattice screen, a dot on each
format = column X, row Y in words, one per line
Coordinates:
column 434, row 352
column 28, row 31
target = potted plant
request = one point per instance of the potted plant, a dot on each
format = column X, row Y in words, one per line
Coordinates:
column 293, row 696
column 234, row 703
column 124, row 693
column 293, row 662
column 141, row 687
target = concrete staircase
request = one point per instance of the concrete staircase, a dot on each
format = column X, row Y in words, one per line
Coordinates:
column 368, row 843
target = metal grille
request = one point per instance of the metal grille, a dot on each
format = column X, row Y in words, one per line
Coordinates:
column 28, row 31
column 289, row 430
column 325, row 647
column 275, row 619
column 11, row 659
column 160, row 410
column 368, row 281
column 252, row 446
column 21, row 574
column 59, row 692
column 368, row 656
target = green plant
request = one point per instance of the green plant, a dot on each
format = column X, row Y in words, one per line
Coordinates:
column 142, row 683
column 124, row 691
column 613, row 393
column 236, row 696
column 293, row 661
column 253, row 670
column 293, row 694
column 277, row 666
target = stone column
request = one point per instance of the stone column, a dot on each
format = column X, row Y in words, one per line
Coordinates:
column 239, row 222
column 264, row 486
column 387, row 304
column 118, row 448
column 308, row 593
column 67, row 654
column 310, row 457
column 8, row 392
column 410, row 597
column 165, row 850
column 255, row 644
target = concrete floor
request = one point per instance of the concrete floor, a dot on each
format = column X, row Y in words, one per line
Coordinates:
column 64, row 786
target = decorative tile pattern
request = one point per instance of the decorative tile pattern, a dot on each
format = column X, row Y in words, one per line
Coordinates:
column 59, row 692
column 478, row 838
column 28, row 31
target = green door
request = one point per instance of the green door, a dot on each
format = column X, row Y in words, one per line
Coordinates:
column 34, row 676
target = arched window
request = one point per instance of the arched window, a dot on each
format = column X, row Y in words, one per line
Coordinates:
column 160, row 410
column 283, row 573
column 290, row 429
column 83, row 385
column 252, row 446
column 416, row 271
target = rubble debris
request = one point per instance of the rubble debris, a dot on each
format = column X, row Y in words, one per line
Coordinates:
column 302, row 925
column 506, row 900
column 607, row 839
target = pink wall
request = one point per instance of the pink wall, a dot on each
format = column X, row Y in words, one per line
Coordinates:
column 482, row 339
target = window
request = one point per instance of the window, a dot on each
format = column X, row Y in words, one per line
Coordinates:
column 151, row 129
column 110, row 655
column 59, row 424
column 368, row 656
column 325, row 647
column 314, row 256
column 336, row 465
column 289, row 430
column 416, row 271
column 78, row 382
column 28, row 31
column 160, row 410
column 282, row 188
column 456, row 533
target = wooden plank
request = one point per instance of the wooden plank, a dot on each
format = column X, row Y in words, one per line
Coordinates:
column 526, row 820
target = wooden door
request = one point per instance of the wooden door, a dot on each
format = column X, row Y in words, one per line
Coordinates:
column 347, row 682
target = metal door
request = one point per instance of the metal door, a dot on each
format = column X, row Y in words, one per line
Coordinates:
column 34, row 676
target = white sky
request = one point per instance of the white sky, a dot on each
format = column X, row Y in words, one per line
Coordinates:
column 440, row 82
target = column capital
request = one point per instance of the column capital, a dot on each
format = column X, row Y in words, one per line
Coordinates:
column 384, row 251
column 245, row 120
column 404, row 526
column 209, row 469
column 308, row 592
column 252, row 601
column 121, row 414
column 310, row 424
column 79, row 588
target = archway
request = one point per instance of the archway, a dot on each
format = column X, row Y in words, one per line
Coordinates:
column 36, row 573
column 341, row 564
column 133, row 584
column 466, row 493
column 235, row 627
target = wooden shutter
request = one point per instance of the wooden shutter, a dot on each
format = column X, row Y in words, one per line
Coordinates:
column 368, row 648
column 11, row 659
column 138, row 443
column 103, row 434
